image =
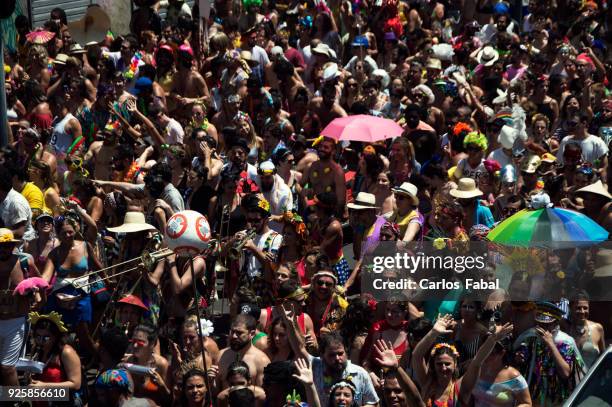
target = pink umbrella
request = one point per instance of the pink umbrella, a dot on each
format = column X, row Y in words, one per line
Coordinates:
column 362, row 127
column 30, row 284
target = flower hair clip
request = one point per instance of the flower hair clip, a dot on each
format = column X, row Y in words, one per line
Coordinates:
column 442, row 345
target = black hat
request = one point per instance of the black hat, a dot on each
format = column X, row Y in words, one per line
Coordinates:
column 548, row 312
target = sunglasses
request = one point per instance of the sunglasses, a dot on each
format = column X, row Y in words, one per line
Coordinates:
column 138, row 342
column 324, row 284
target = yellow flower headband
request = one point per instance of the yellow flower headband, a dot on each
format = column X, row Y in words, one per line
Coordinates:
column 264, row 204
column 53, row 317
column 445, row 345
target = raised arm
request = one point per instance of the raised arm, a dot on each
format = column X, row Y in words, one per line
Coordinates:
column 295, row 338
column 469, row 379
column 133, row 109
column 305, row 376
column 441, row 327
column 386, row 358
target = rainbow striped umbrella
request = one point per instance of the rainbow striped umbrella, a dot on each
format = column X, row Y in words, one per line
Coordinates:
column 552, row 228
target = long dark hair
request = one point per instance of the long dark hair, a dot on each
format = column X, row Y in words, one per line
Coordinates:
column 355, row 322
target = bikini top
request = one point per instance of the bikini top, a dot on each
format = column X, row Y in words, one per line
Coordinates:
column 79, row 268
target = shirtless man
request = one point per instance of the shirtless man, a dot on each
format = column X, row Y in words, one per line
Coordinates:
column 13, row 308
column 188, row 86
column 101, row 154
column 326, row 106
column 241, row 333
column 325, row 175
column 31, row 147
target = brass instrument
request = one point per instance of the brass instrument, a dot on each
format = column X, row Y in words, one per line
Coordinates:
column 234, row 251
column 147, row 260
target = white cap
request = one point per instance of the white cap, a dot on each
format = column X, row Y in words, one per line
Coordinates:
column 276, row 51
column 267, row 167
column 331, row 72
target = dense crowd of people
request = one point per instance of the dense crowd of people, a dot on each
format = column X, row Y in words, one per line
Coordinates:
column 500, row 102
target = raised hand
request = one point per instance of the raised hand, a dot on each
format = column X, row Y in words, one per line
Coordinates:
column 501, row 331
column 304, row 372
column 443, row 325
column 130, row 105
column 386, row 355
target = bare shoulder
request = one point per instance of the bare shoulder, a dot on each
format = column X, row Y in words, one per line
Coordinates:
column 597, row 326
column 510, row 373
column 160, row 361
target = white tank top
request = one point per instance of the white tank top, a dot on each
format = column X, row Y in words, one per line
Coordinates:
column 60, row 139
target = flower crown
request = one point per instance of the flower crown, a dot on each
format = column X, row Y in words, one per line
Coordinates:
column 297, row 222
column 264, row 204
column 442, row 345
column 53, row 317
column 348, row 382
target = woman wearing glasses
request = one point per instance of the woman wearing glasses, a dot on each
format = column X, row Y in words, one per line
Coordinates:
column 62, row 363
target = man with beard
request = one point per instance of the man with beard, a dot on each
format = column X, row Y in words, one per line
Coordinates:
column 324, row 175
column 333, row 366
column 188, row 86
column 14, row 268
column 275, row 190
column 325, row 305
column 238, row 149
column 249, row 41
column 241, row 333
column 102, row 154
column 326, row 106
column 259, row 252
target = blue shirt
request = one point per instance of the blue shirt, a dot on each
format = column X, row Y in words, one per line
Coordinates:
column 483, row 216
column 361, row 379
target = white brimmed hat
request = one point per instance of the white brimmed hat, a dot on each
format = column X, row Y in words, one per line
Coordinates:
column 487, row 56
column 363, row 201
column 426, row 90
column 133, row 222
column 597, row 189
column 383, row 76
column 466, row 188
column 330, row 72
column 408, row 189
column 60, row 59
column 92, row 27
column 324, row 49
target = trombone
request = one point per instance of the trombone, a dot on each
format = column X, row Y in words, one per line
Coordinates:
column 147, row 260
column 234, row 251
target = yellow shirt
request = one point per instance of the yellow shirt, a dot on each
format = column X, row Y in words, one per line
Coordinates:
column 34, row 196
